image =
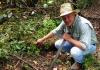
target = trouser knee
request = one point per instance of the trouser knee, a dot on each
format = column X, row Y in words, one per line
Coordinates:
column 74, row 51
column 77, row 54
column 57, row 44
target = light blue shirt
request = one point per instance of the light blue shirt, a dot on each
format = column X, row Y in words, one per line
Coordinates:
column 81, row 30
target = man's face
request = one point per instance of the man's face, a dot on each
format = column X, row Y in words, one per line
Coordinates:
column 69, row 19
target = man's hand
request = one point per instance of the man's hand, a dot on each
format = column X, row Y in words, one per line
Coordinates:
column 66, row 36
column 39, row 41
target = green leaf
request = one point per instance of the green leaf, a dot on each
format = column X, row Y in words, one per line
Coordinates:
column 4, row 15
column 5, row 51
column 8, row 1
column 1, row 16
column 20, row 42
column 17, row 47
column 10, row 15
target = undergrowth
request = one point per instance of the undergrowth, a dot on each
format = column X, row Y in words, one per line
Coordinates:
column 19, row 34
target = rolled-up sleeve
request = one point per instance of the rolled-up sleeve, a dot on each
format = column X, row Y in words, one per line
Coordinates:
column 85, row 37
column 59, row 30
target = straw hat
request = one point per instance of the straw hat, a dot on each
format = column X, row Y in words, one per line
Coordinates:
column 67, row 8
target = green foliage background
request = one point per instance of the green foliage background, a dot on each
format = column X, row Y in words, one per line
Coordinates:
column 19, row 32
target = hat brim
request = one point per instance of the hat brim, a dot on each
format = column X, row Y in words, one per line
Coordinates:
column 68, row 12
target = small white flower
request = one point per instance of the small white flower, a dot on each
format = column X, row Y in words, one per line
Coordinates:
column 45, row 6
column 32, row 12
column 51, row 1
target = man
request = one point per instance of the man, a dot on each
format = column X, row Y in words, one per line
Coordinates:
column 78, row 33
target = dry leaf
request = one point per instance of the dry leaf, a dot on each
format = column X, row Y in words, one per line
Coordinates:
column 8, row 66
column 55, row 68
column 60, row 69
column 47, row 16
column 48, row 54
column 16, row 69
column 35, row 62
column 64, row 68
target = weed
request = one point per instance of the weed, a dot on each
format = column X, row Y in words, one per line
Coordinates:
column 46, row 63
column 58, row 61
column 18, row 36
column 83, row 3
column 68, row 63
column 25, row 67
column 88, row 61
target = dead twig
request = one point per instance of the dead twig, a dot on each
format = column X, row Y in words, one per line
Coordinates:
column 18, row 62
column 24, row 61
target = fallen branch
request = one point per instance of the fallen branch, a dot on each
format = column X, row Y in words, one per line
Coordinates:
column 18, row 62
column 24, row 61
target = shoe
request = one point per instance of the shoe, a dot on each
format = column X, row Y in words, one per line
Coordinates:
column 76, row 66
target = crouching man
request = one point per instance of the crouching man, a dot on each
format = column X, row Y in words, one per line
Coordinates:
column 77, row 31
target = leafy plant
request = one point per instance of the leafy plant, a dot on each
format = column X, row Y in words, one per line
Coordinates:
column 68, row 63
column 3, row 50
column 46, row 63
column 57, row 21
column 19, row 36
column 48, row 25
column 43, row 28
column 25, row 67
column 88, row 61
column 58, row 61
column 83, row 3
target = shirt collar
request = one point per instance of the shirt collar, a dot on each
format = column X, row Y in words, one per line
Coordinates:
column 76, row 18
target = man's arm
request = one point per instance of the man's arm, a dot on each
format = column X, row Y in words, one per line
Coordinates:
column 49, row 35
column 67, row 37
column 57, row 31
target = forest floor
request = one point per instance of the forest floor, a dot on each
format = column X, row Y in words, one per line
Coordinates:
column 21, row 61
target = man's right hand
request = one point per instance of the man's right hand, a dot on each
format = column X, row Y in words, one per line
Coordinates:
column 49, row 35
column 39, row 41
